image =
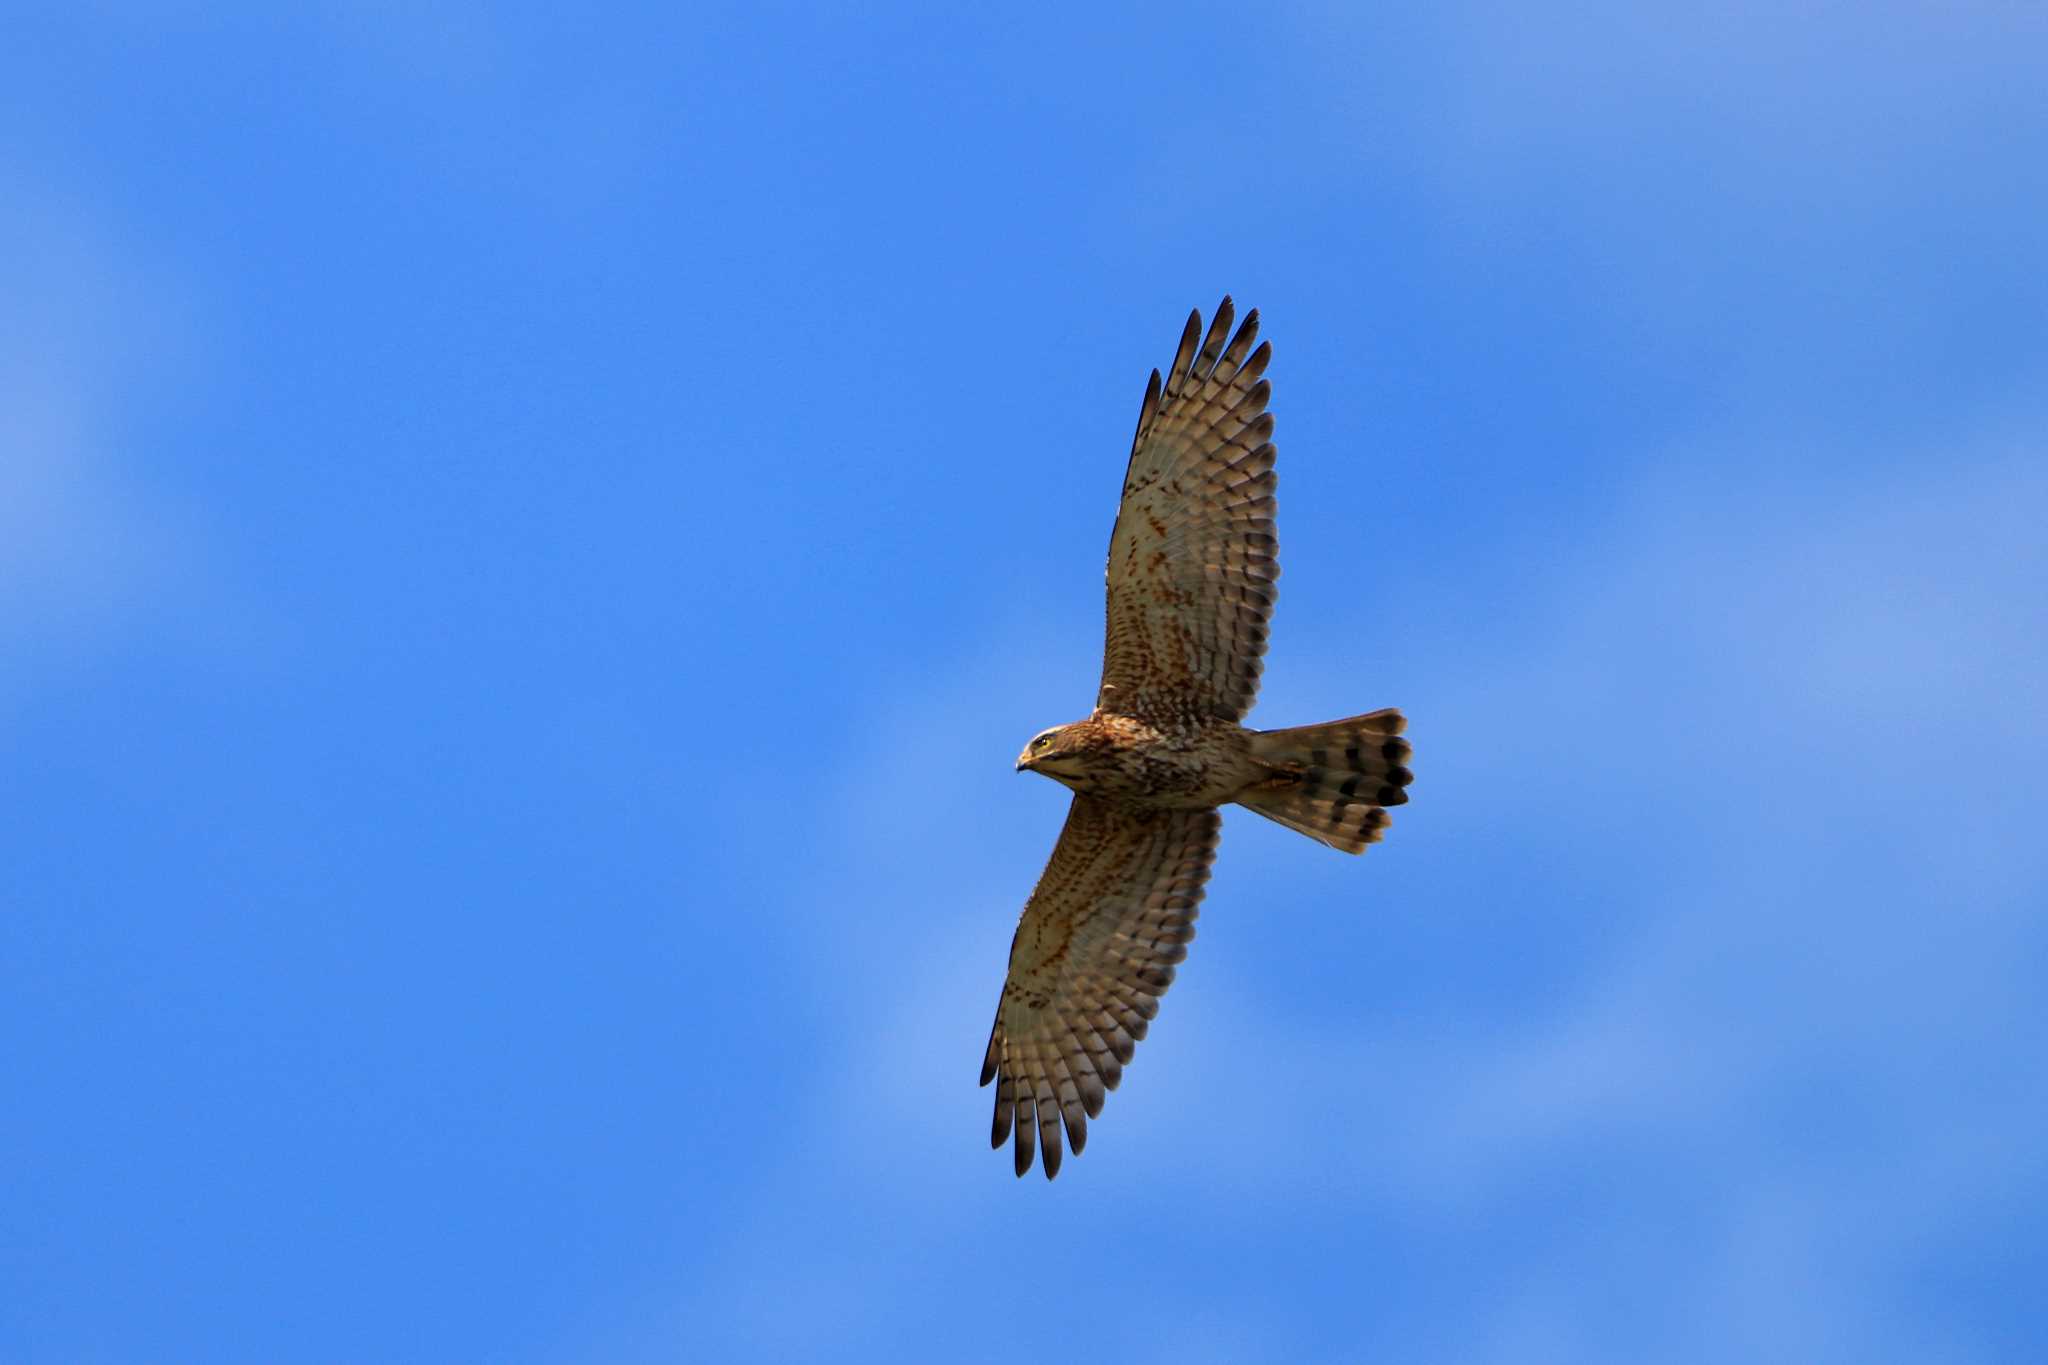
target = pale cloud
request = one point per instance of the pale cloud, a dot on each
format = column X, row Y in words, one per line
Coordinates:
column 1830, row 673
column 93, row 344
column 1815, row 81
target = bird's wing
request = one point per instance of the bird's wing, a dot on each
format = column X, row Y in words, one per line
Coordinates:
column 1192, row 559
column 1094, row 951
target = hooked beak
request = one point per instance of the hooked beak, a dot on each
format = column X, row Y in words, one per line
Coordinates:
column 1024, row 761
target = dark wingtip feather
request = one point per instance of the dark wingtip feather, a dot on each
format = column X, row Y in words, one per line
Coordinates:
column 1184, row 355
column 1027, row 1139
column 1148, row 409
column 1255, row 363
column 999, row 1127
column 988, row 1058
column 1219, row 332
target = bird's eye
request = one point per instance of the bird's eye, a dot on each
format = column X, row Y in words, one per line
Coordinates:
column 1042, row 742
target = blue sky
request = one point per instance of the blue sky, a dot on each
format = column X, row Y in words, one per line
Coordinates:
column 528, row 544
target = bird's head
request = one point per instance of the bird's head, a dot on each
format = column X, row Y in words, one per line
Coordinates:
column 1059, row 753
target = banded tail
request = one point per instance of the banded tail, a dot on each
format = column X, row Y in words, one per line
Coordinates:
column 1333, row 781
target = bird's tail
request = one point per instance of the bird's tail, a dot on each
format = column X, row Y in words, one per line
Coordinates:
column 1332, row 781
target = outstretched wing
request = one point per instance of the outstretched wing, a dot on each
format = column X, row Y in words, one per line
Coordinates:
column 1192, row 559
column 1094, row 951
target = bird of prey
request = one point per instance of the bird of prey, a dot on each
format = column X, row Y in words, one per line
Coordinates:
column 1191, row 571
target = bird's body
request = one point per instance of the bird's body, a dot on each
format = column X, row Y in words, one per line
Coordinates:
column 1129, row 760
column 1191, row 587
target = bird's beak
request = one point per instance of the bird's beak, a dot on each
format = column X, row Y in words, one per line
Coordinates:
column 1024, row 761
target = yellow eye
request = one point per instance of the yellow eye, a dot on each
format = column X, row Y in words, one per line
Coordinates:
column 1042, row 742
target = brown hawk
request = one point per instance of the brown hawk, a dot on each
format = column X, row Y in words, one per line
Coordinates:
column 1191, row 571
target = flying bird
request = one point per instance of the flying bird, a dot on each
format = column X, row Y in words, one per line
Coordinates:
column 1192, row 564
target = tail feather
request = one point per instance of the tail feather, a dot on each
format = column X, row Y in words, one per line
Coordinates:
column 1334, row 781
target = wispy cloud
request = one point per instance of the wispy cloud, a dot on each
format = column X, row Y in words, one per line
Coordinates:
column 1814, row 692
column 93, row 343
